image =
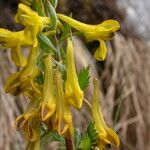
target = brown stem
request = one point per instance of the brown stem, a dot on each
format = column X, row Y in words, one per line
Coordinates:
column 69, row 144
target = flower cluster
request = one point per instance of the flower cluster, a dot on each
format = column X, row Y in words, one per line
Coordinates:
column 50, row 102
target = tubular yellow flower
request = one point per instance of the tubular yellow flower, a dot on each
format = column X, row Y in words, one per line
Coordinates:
column 15, row 40
column 100, row 32
column 62, row 118
column 33, row 23
column 73, row 93
column 31, row 70
column 20, row 81
column 106, row 134
column 48, row 102
column 28, row 120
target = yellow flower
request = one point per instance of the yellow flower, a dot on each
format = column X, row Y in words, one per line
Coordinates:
column 20, row 81
column 15, row 40
column 48, row 102
column 28, row 120
column 12, row 84
column 106, row 134
column 33, row 23
column 100, row 32
column 73, row 93
column 62, row 118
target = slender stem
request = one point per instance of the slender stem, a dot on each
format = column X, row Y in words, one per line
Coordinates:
column 87, row 104
column 69, row 144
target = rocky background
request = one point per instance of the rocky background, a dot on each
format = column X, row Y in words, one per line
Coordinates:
column 124, row 76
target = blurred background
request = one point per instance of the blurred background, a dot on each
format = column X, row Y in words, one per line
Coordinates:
column 124, row 75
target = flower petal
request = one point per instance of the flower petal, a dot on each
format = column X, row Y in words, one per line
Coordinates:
column 73, row 93
column 110, row 25
column 62, row 119
column 48, row 103
column 106, row 134
column 12, row 84
column 18, row 58
column 101, row 51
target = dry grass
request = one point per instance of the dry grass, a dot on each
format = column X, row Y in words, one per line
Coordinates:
column 125, row 84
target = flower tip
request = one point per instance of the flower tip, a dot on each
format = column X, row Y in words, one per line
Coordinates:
column 101, row 51
column 111, row 24
column 19, row 122
column 98, row 56
column 113, row 138
column 46, row 111
column 22, row 6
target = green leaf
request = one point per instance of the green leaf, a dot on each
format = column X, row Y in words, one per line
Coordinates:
column 53, row 15
column 85, row 143
column 84, row 77
column 92, row 132
column 77, row 138
column 88, row 140
column 46, row 44
column 55, row 137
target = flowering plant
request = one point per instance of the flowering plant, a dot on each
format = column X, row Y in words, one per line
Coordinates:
column 49, row 79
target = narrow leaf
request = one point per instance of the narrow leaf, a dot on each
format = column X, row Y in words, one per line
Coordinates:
column 38, row 7
column 46, row 44
column 53, row 15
